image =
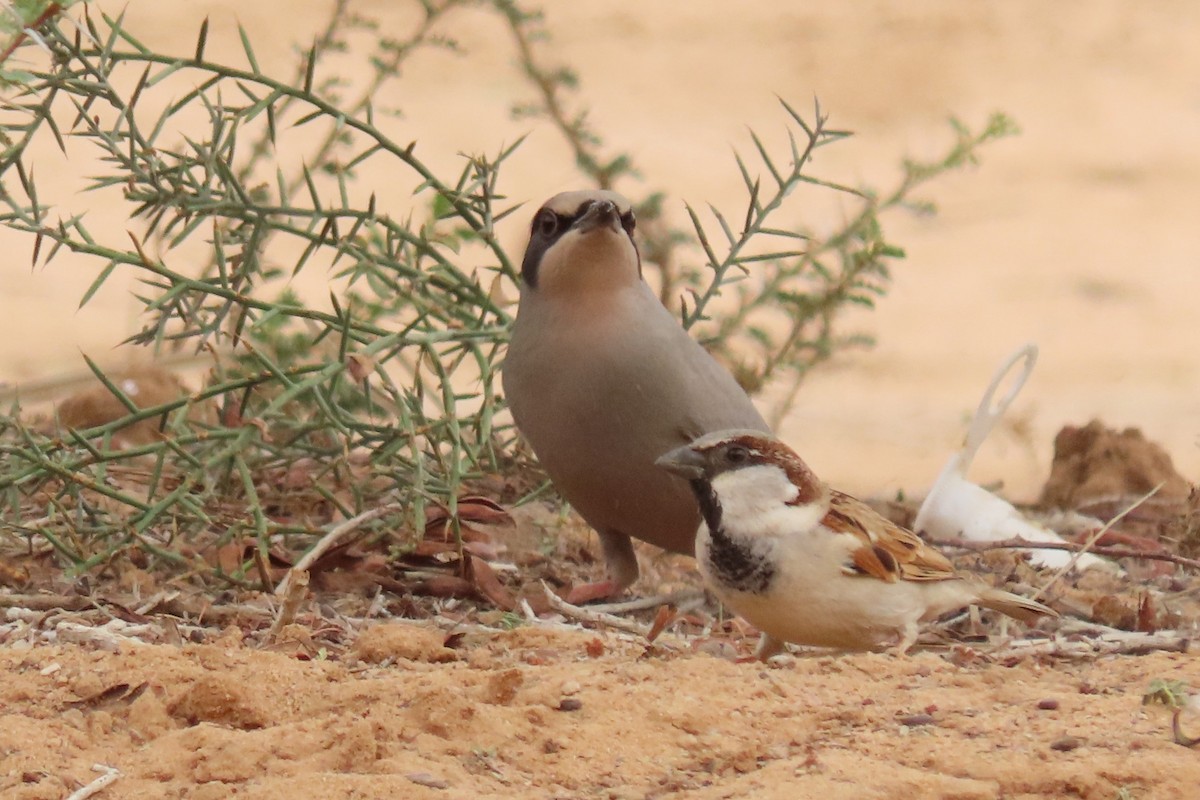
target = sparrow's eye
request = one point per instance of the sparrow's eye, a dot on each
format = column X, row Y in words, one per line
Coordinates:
column 737, row 455
column 547, row 224
column 628, row 222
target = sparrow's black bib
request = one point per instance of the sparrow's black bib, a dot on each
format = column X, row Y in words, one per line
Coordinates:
column 741, row 564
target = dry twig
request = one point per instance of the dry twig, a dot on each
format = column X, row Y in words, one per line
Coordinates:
column 102, row 637
column 1095, row 537
column 682, row 597
column 95, row 787
column 586, row 615
column 1110, row 552
column 297, row 590
column 1112, row 642
column 46, row 602
column 335, row 535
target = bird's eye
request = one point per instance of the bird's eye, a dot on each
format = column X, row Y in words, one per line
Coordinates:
column 628, row 222
column 737, row 455
column 547, row 224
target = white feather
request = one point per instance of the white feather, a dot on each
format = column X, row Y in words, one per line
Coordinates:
column 757, row 498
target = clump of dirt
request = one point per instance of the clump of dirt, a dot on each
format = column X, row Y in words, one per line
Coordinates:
column 145, row 387
column 1097, row 463
column 382, row 644
column 1183, row 530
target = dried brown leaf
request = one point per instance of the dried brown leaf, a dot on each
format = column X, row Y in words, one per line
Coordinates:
column 359, row 366
column 484, row 579
column 117, row 693
column 445, row 586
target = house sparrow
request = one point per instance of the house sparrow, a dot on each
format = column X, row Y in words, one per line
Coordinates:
column 807, row 564
column 602, row 380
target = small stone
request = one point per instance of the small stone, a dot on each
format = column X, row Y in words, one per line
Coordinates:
column 1066, row 744
column 425, row 779
column 570, row 704
column 913, row 720
column 1049, row 704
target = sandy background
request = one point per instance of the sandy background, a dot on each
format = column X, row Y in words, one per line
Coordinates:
column 1081, row 234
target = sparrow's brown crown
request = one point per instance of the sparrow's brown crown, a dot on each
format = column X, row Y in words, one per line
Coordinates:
column 724, row 451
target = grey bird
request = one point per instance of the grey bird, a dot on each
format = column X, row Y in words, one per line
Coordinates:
column 602, row 380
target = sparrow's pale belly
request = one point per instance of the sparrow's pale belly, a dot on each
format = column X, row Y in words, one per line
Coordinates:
column 812, row 602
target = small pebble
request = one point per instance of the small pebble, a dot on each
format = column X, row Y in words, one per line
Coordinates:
column 425, row 779
column 1066, row 744
column 913, row 720
column 570, row 704
column 1049, row 704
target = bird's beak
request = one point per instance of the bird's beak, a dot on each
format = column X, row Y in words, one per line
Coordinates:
column 684, row 462
column 601, row 213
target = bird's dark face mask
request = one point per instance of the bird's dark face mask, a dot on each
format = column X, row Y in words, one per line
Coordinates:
column 589, row 245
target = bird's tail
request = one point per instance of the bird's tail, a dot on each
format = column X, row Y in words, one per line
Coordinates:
column 1015, row 606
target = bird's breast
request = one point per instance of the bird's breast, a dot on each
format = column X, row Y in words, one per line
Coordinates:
column 741, row 564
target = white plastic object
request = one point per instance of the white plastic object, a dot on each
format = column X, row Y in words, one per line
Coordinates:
column 955, row 507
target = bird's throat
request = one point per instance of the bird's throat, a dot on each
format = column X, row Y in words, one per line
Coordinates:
column 737, row 562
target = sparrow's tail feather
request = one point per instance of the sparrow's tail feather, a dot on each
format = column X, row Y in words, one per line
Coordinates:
column 1015, row 606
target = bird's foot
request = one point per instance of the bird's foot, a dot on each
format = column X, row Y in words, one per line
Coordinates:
column 907, row 638
column 768, row 647
column 590, row 592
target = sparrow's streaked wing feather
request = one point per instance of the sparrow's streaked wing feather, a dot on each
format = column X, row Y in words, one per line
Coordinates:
column 888, row 552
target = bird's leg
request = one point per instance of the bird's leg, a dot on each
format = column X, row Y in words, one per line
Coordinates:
column 622, row 570
column 908, row 637
column 768, row 647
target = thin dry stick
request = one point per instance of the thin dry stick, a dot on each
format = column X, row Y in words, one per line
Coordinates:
column 335, row 535
column 1017, row 543
column 297, row 589
column 642, row 603
column 46, row 602
column 1119, row 643
column 1094, row 538
column 102, row 637
column 100, row 784
column 592, row 617
column 1079, row 550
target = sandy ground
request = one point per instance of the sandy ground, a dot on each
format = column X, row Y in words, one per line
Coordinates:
column 546, row 714
column 1080, row 234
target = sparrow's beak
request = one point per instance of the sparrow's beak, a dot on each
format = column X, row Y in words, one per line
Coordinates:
column 601, row 213
column 684, row 462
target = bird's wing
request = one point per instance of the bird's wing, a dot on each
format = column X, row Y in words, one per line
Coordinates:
column 888, row 552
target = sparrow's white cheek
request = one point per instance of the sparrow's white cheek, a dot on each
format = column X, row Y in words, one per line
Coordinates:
column 754, row 501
